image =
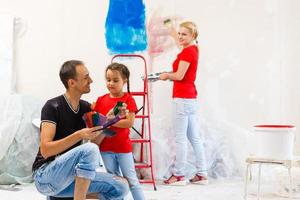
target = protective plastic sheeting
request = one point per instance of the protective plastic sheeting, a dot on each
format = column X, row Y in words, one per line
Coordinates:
column 19, row 139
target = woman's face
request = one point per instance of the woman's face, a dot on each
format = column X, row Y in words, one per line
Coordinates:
column 185, row 37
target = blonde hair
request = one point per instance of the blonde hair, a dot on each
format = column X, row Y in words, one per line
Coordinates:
column 191, row 26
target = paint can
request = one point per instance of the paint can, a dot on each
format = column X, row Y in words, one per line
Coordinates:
column 274, row 141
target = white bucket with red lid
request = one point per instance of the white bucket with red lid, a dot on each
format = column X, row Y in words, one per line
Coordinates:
column 274, row 141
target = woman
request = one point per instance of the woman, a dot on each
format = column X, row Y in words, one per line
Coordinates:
column 185, row 106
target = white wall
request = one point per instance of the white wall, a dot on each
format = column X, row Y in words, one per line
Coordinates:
column 6, row 54
column 248, row 71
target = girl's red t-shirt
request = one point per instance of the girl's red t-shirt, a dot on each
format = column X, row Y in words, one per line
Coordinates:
column 120, row 143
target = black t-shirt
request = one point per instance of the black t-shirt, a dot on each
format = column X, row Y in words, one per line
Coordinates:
column 59, row 112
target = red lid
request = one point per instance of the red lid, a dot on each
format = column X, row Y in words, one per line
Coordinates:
column 274, row 126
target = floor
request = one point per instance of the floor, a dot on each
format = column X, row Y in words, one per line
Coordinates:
column 216, row 190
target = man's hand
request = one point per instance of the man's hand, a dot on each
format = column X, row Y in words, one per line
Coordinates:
column 52, row 148
column 90, row 133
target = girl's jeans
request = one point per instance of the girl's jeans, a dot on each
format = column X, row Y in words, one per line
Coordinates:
column 114, row 162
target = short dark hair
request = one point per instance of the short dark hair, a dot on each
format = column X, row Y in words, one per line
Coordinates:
column 68, row 71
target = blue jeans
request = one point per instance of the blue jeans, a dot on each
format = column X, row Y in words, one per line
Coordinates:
column 58, row 177
column 185, row 125
column 115, row 161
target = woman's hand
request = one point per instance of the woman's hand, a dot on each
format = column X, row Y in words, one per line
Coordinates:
column 164, row 76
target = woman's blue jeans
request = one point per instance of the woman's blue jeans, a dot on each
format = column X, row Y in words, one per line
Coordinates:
column 185, row 125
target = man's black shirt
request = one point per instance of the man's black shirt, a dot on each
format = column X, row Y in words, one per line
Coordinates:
column 59, row 112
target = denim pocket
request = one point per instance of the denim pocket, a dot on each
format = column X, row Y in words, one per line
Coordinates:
column 190, row 107
column 178, row 106
column 42, row 185
column 45, row 188
column 185, row 107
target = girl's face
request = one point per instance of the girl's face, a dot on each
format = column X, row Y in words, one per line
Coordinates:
column 115, row 83
column 185, row 37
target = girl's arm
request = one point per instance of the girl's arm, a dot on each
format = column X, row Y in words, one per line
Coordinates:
column 127, row 122
column 178, row 75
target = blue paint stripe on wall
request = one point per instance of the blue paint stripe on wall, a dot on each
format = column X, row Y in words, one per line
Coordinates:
column 125, row 26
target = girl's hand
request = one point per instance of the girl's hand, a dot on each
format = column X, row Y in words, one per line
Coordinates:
column 110, row 115
column 164, row 76
column 123, row 110
column 93, row 105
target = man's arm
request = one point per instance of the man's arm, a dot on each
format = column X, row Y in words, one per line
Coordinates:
column 51, row 148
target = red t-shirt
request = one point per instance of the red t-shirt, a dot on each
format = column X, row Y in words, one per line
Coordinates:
column 120, row 143
column 186, row 87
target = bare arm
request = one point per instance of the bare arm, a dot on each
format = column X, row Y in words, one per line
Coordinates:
column 178, row 75
column 127, row 122
column 51, row 148
column 98, row 139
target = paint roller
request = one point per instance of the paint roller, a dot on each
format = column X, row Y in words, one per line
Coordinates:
column 153, row 77
column 168, row 23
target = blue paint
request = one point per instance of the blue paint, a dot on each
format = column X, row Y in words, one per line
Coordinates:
column 125, row 26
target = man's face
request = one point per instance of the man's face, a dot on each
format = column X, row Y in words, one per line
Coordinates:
column 83, row 80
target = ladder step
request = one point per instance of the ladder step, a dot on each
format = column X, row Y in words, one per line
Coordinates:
column 146, row 181
column 142, row 165
column 138, row 93
column 144, row 116
column 141, row 116
column 140, row 141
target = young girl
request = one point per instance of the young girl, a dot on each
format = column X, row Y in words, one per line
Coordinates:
column 116, row 151
column 185, row 106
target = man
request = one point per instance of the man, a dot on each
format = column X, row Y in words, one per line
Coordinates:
column 63, row 167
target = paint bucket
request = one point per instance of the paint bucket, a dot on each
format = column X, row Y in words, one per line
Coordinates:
column 274, row 141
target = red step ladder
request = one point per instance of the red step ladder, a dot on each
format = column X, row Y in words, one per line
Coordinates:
column 143, row 114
